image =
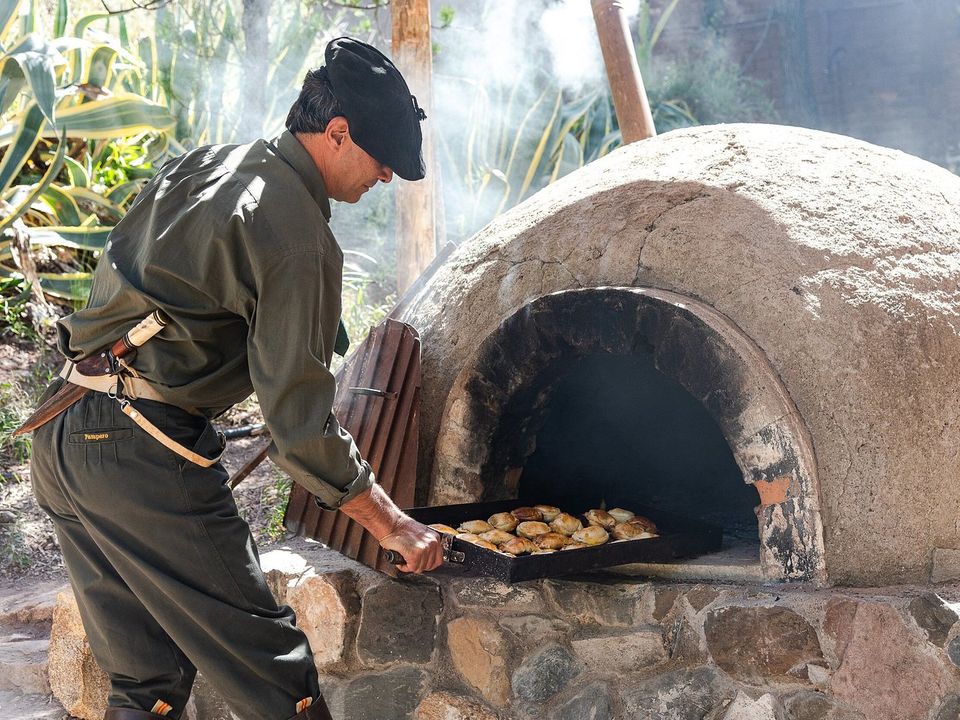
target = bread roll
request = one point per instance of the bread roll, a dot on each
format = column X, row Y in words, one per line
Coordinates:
column 475, row 526
column 504, row 521
column 630, row 531
column 485, row 544
column 574, row 546
column 600, row 518
column 497, row 537
column 532, row 528
column 645, row 523
column 445, row 529
column 565, row 524
column 549, row 512
column 526, row 514
column 468, row 537
column 551, row 541
column 519, row 546
column 621, row 515
column 591, row 535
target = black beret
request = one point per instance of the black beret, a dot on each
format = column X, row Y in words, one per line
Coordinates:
column 384, row 117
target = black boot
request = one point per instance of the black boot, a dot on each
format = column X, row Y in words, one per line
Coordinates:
column 317, row 711
column 119, row 713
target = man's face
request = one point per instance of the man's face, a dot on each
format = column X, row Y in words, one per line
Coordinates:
column 356, row 172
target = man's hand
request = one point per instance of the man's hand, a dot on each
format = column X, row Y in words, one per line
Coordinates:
column 419, row 545
column 395, row 530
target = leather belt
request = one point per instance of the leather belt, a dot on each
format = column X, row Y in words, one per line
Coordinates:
column 126, row 388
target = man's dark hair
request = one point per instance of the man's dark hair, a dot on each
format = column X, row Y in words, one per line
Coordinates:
column 316, row 105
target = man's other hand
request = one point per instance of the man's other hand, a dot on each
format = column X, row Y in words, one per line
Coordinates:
column 419, row 545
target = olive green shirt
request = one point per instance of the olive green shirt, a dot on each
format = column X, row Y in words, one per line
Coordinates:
column 232, row 243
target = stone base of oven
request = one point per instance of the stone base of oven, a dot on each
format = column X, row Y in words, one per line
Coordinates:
column 609, row 648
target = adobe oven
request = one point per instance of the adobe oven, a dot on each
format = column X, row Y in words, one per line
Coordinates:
column 752, row 325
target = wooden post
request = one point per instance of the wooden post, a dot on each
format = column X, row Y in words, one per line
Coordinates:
column 416, row 213
column 623, row 72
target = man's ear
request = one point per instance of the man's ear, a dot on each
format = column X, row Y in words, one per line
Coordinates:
column 337, row 130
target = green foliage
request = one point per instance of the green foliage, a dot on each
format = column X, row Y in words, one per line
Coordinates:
column 277, row 496
column 81, row 129
column 14, row 316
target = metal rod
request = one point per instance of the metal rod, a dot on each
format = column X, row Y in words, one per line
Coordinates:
column 623, row 72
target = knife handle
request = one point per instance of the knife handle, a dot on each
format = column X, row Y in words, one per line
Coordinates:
column 145, row 329
column 394, row 558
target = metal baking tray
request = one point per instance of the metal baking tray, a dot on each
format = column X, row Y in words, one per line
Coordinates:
column 679, row 538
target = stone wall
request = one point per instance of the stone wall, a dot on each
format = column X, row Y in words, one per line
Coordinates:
column 459, row 649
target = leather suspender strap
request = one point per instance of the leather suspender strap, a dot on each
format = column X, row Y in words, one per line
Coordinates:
column 126, row 388
column 168, row 442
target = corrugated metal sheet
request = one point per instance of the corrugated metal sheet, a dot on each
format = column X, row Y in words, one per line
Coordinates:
column 386, row 429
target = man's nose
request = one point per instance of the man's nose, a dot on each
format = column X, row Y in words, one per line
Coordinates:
column 386, row 174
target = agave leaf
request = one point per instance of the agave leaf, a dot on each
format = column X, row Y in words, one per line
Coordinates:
column 67, row 286
column 9, row 11
column 92, row 238
column 120, row 115
column 569, row 158
column 37, row 60
column 661, row 23
column 100, row 69
column 38, row 189
column 518, row 136
column 23, row 139
column 76, row 173
column 63, row 207
column 60, row 19
column 120, row 194
column 541, row 146
column 95, row 199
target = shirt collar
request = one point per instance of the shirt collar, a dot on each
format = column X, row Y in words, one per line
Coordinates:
column 296, row 155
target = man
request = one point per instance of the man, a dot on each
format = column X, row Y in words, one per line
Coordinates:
column 231, row 244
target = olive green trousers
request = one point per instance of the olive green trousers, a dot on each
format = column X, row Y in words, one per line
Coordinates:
column 165, row 572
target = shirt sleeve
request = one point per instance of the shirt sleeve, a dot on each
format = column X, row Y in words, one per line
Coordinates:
column 295, row 387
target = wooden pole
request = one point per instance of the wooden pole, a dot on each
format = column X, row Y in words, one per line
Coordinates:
column 416, row 212
column 623, row 72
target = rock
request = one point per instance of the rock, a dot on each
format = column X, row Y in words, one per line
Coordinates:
column 207, row 703
column 809, row 705
column 23, row 666
column 398, row 622
column 31, row 607
column 7, row 516
column 743, row 707
column 471, row 594
column 535, row 629
column 838, row 623
column 664, row 598
column 389, row 695
column 676, row 695
column 591, row 703
column 478, row 648
column 619, row 652
column 949, row 709
column 818, row 674
column 546, row 672
column 953, row 651
column 945, row 566
column 683, row 642
column 14, row 706
column 322, row 615
column 596, row 603
column 759, row 642
column 886, row 671
column 75, row 678
column 447, row 706
column 931, row 614
column 701, row 596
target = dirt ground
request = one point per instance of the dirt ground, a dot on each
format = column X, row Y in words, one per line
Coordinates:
column 28, row 545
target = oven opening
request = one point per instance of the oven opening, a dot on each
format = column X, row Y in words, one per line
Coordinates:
column 612, row 430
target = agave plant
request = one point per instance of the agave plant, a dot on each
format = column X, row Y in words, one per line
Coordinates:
column 81, row 129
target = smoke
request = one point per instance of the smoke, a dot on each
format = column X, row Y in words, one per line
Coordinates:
column 570, row 35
